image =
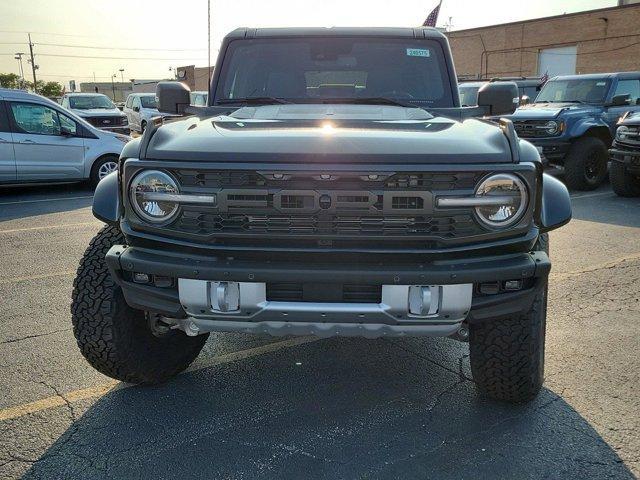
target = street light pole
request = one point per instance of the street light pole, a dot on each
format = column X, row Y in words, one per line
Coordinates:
column 122, row 85
column 19, row 58
column 113, row 87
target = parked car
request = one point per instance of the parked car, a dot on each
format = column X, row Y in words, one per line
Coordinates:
column 42, row 142
column 98, row 110
column 573, row 120
column 199, row 99
column 324, row 192
column 625, row 157
column 528, row 88
column 140, row 109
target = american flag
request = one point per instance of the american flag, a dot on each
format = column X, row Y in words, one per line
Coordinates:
column 433, row 17
column 544, row 78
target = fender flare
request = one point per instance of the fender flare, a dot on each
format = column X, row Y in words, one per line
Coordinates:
column 555, row 208
column 106, row 200
column 579, row 128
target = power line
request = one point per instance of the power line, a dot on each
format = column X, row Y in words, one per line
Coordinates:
column 120, row 48
column 117, row 58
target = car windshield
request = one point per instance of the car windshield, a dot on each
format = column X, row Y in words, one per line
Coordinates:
column 468, row 95
column 87, row 102
column 577, row 90
column 148, row 101
column 321, row 70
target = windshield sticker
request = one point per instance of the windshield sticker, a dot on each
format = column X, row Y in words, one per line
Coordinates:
column 418, row 52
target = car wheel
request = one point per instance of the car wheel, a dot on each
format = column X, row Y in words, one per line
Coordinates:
column 116, row 339
column 103, row 167
column 623, row 183
column 585, row 166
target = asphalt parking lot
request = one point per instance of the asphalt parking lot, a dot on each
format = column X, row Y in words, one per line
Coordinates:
column 255, row 407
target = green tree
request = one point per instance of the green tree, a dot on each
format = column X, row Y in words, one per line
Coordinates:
column 9, row 80
column 49, row 89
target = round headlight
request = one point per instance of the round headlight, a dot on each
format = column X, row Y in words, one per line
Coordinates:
column 551, row 127
column 506, row 200
column 146, row 193
column 621, row 133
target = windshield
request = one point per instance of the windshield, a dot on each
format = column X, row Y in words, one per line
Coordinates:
column 148, row 101
column 578, row 90
column 468, row 95
column 318, row 70
column 87, row 102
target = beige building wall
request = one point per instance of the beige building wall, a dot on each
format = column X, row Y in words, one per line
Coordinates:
column 197, row 78
column 607, row 40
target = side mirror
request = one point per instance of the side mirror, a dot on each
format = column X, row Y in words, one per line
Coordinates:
column 65, row 132
column 499, row 98
column 172, row 97
column 620, row 100
column 136, row 109
column 525, row 100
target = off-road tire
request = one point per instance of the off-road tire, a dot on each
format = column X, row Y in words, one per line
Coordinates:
column 623, row 183
column 507, row 354
column 584, row 151
column 115, row 338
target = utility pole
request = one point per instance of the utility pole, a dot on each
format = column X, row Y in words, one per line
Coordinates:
column 209, row 38
column 34, row 67
column 19, row 58
column 113, row 87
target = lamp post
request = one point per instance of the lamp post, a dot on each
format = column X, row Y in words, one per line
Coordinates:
column 113, row 87
column 19, row 58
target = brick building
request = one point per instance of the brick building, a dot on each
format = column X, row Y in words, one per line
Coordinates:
column 196, row 77
column 603, row 40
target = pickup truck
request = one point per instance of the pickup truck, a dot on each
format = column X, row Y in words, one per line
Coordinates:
column 331, row 186
column 573, row 121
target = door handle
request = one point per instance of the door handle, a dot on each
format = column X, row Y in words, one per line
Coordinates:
column 26, row 140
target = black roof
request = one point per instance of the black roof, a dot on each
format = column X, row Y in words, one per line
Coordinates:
column 418, row 32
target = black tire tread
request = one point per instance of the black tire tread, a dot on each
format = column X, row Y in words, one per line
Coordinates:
column 623, row 183
column 574, row 163
column 115, row 338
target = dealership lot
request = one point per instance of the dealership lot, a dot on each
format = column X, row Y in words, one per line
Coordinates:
column 262, row 407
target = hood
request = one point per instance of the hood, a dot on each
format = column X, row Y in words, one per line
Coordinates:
column 549, row 110
column 98, row 112
column 330, row 133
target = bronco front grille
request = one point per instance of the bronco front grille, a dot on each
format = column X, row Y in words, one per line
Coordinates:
column 317, row 225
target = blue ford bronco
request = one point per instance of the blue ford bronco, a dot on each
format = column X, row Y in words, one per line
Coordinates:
column 332, row 186
column 573, row 121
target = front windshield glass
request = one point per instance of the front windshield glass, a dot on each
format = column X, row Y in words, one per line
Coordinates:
column 468, row 95
column 87, row 102
column 578, row 90
column 319, row 70
column 148, row 101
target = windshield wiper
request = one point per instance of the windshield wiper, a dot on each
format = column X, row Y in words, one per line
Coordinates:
column 254, row 101
column 369, row 101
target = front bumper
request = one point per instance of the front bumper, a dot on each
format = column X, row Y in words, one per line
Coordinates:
column 629, row 158
column 123, row 130
column 552, row 150
column 190, row 304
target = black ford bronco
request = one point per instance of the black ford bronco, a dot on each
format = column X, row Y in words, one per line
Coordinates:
column 625, row 157
column 332, row 186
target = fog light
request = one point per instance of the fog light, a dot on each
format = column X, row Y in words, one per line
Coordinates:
column 140, row 278
column 512, row 285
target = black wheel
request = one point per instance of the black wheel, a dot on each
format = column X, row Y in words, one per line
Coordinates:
column 623, row 183
column 585, row 166
column 115, row 338
column 143, row 125
column 103, row 167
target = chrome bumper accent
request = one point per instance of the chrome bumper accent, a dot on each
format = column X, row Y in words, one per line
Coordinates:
column 437, row 310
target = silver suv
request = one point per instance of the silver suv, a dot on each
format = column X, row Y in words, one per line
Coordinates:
column 140, row 109
column 42, row 142
column 98, row 110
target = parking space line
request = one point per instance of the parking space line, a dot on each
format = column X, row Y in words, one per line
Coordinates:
column 101, row 390
column 48, row 227
column 40, row 200
column 591, row 195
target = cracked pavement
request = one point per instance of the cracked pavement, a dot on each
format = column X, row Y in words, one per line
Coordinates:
column 336, row 408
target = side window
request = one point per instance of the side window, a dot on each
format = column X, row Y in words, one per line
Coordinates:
column 4, row 119
column 631, row 87
column 65, row 102
column 129, row 101
column 35, row 119
column 136, row 102
column 70, row 125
